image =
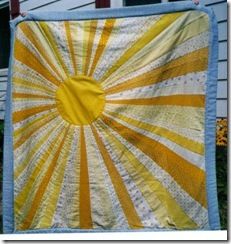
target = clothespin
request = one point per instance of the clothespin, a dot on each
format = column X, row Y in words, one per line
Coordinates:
column 102, row 3
column 23, row 14
column 14, row 8
column 196, row 2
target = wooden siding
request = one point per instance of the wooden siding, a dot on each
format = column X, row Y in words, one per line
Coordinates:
column 220, row 9
column 51, row 5
column 3, row 85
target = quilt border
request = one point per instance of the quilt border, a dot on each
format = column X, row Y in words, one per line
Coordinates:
column 210, row 114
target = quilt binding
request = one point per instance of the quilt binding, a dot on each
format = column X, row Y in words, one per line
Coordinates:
column 210, row 109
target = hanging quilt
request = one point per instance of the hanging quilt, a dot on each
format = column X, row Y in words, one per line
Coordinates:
column 110, row 121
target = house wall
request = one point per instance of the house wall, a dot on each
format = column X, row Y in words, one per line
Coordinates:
column 219, row 7
column 51, row 5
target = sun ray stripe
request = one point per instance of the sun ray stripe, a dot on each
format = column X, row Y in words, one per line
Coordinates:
column 167, row 159
column 28, row 90
column 92, row 30
column 121, row 220
column 84, row 198
column 193, row 62
column 192, row 157
column 101, row 204
column 178, row 100
column 32, row 167
column 22, row 104
column 22, row 206
column 85, row 40
column 32, row 159
column 148, row 36
column 75, row 218
column 52, row 42
column 22, row 53
column 30, row 46
column 170, row 117
column 23, row 128
column 24, row 114
column 196, row 212
column 68, row 214
column 27, row 30
column 125, row 200
column 163, row 132
column 21, row 161
column 21, row 83
column 193, row 44
column 107, row 30
column 30, row 131
column 183, row 29
column 174, row 212
column 18, row 95
column 70, row 45
column 30, row 75
column 42, row 188
column 121, row 34
column 139, row 197
column 192, row 83
column 48, row 205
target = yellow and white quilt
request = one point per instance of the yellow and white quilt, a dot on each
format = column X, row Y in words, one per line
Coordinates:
column 108, row 120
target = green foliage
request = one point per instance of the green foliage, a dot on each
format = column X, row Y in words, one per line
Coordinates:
column 221, row 161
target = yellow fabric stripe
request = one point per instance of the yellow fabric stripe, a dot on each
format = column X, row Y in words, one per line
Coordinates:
column 100, row 194
column 21, row 53
column 70, row 45
column 85, row 36
column 53, row 44
column 175, row 117
column 107, row 30
column 178, row 100
column 32, row 129
column 27, row 126
column 24, row 198
column 20, row 168
column 28, row 186
column 32, row 37
column 19, row 95
column 164, row 202
column 92, row 31
column 122, row 193
column 187, row 26
column 24, row 114
column 187, row 175
column 74, row 214
column 30, row 85
column 148, row 36
column 41, row 188
column 193, row 62
column 52, row 193
column 170, row 135
column 84, row 191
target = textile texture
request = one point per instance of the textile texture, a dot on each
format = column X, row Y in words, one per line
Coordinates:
column 108, row 118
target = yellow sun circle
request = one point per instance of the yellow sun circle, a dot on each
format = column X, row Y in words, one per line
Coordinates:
column 80, row 100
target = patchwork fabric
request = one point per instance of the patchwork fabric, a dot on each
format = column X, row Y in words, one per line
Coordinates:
column 108, row 121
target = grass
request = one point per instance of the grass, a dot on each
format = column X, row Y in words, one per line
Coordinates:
column 221, row 159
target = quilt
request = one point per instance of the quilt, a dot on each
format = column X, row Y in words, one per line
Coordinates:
column 110, row 121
